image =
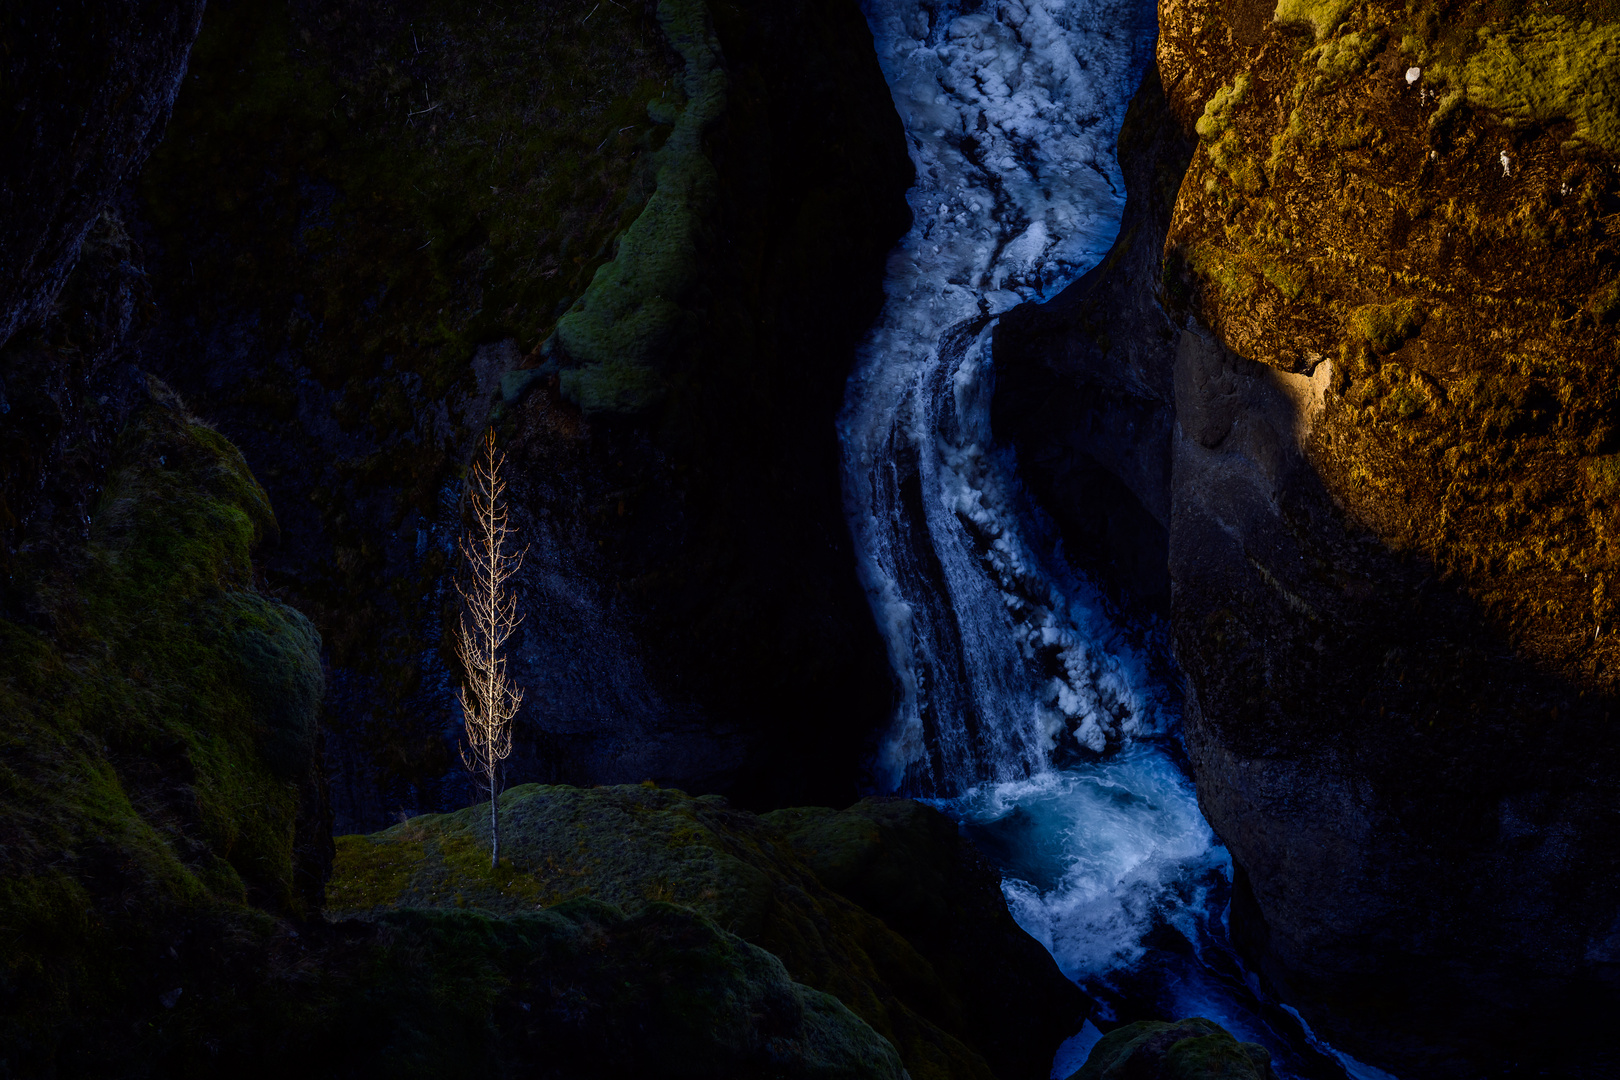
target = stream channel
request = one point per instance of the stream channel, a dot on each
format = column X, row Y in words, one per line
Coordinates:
column 1029, row 709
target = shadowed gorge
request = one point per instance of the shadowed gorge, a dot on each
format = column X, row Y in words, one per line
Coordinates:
column 1061, row 538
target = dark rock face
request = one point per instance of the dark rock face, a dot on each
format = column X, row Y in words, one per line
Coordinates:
column 908, row 865
column 368, row 216
column 85, row 95
column 1388, row 520
column 64, row 394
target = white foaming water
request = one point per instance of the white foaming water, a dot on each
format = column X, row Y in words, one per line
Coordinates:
column 1012, row 109
column 1095, row 856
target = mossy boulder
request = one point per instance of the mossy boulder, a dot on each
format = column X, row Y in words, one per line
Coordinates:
column 951, row 1006
column 1191, row 1049
column 579, row 990
column 910, row 866
column 157, row 740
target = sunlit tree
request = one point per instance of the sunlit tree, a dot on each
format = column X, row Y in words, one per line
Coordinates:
column 489, row 615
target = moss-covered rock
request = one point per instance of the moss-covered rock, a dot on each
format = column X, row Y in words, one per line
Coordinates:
column 910, row 866
column 579, row 990
column 952, row 1006
column 1191, row 1049
column 637, row 311
column 158, row 739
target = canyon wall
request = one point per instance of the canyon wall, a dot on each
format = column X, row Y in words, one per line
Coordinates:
column 377, row 227
column 1357, row 371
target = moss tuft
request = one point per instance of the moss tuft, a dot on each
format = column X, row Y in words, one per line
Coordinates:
column 1603, row 477
column 1191, row 1049
column 1219, row 110
column 1545, row 69
column 1346, row 54
column 638, row 308
column 1386, row 327
column 1321, row 16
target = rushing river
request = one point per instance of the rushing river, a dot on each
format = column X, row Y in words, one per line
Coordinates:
column 1028, row 708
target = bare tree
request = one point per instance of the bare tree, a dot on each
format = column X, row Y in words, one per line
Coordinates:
column 489, row 615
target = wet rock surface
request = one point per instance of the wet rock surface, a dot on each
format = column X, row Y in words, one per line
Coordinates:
column 87, row 91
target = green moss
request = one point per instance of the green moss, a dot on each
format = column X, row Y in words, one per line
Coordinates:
column 1603, row 477
column 1222, row 142
column 1226, row 269
column 1604, row 304
column 1219, row 110
column 1191, row 1049
column 162, row 738
column 1406, row 401
column 1544, row 69
column 638, row 307
column 1346, row 54
column 637, row 847
column 1321, row 16
column 1386, row 327
column 1290, row 279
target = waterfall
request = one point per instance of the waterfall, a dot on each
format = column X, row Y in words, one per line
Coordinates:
column 1002, row 653
column 1012, row 110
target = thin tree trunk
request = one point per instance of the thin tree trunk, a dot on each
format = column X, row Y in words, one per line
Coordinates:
column 494, row 826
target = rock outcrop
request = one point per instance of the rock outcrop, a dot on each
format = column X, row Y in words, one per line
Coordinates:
column 162, row 782
column 884, row 906
column 1191, row 1049
column 1373, row 369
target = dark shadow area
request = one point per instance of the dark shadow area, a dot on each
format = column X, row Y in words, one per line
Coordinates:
column 365, row 215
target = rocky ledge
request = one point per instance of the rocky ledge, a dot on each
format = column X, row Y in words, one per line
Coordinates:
column 882, row 906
